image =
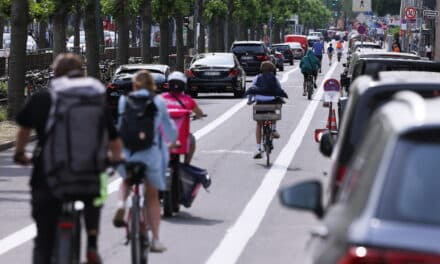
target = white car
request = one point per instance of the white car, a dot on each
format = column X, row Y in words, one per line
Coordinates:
column 82, row 42
column 297, row 49
column 317, row 34
column 31, row 44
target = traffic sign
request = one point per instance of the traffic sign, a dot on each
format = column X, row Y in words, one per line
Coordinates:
column 362, row 30
column 431, row 13
column 411, row 13
column 332, row 85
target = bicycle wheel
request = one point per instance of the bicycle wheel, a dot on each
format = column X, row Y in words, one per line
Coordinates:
column 267, row 143
column 309, row 89
column 68, row 239
column 135, row 232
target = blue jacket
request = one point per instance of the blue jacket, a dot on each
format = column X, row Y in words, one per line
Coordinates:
column 266, row 84
column 157, row 157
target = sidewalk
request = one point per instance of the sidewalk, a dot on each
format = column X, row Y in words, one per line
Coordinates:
column 8, row 131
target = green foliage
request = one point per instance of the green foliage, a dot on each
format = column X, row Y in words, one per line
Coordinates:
column 382, row 7
column 3, row 90
column 117, row 8
column 5, row 8
column 3, row 114
column 314, row 13
column 215, row 8
column 41, row 10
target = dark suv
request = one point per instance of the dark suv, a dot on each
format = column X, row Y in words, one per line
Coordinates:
column 388, row 210
column 250, row 54
column 287, row 52
column 368, row 95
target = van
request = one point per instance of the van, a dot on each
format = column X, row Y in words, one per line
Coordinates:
column 297, row 38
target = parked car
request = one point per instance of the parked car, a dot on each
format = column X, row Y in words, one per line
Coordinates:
column 277, row 59
column 297, row 38
column 317, row 34
column 70, row 45
column 121, row 82
column 250, row 54
column 297, row 49
column 287, row 52
column 31, row 44
column 367, row 95
column 370, row 56
column 363, row 44
column 388, row 211
column 217, row 73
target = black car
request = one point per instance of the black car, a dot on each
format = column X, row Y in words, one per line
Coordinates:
column 216, row 73
column 286, row 51
column 368, row 94
column 121, row 82
column 250, row 54
column 388, row 208
column 277, row 59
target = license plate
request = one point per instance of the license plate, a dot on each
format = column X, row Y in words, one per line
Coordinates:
column 247, row 58
column 212, row 73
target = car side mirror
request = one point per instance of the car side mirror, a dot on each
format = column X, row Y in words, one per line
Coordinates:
column 304, row 196
column 326, row 144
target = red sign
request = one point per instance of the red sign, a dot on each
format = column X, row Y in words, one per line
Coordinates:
column 362, row 30
column 332, row 85
column 410, row 13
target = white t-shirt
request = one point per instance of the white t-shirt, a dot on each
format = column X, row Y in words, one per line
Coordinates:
column 428, row 49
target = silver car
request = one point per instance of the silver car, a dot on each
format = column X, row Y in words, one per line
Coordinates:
column 389, row 207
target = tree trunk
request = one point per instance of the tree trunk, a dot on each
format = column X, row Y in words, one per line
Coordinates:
column 201, row 42
column 211, row 37
column 276, row 33
column 230, row 25
column 221, row 34
column 42, row 42
column 2, row 29
column 243, row 32
column 259, row 32
column 123, row 39
column 164, row 40
column 147, row 19
column 17, row 58
column 180, row 55
column 92, row 39
column 100, row 27
column 76, row 28
column 59, row 30
column 133, row 30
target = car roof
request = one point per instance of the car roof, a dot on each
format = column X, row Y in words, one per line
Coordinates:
column 281, row 44
column 217, row 53
column 380, row 52
column 159, row 67
column 248, row 42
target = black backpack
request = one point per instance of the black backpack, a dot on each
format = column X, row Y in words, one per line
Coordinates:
column 137, row 126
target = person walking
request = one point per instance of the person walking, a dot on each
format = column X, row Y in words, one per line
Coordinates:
column 37, row 114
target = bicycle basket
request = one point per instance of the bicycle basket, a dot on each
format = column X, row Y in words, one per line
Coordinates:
column 267, row 112
column 192, row 178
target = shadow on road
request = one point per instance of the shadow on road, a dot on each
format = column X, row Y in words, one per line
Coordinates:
column 184, row 218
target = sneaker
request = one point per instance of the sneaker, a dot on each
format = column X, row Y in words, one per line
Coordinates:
column 275, row 134
column 157, row 247
column 93, row 257
column 118, row 219
column 258, row 155
column 304, row 93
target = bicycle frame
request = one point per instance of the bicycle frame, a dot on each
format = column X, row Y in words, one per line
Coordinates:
column 268, row 139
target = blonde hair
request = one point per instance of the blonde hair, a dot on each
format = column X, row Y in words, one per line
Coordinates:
column 144, row 80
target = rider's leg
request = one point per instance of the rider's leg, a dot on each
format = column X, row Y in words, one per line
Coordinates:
column 92, row 216
column 192, row 149
column 275, row 133
column 124, row 191
column 153, row 216
column 258, row 138
column 304, row 84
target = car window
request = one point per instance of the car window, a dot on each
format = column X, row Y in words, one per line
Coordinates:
column 212, row 60
column 248, row 48
column 280, row 48
column 358, row 70
column 411, row 191
column 133, row 71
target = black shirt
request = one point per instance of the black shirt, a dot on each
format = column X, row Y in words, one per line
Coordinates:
column 34, row 115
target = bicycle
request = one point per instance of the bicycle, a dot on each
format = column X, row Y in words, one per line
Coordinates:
column 136, row 218
column 68, row 235
column 309, row 83
column 268, row 114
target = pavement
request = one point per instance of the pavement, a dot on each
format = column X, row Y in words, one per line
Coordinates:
column 241, row 219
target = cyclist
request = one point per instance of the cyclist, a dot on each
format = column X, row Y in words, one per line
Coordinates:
column 265, row 89
column 46, row 208
column 309, row 66
column 318, row 50
column 339, row 48
column 330, row 51
column 176, row 98
column 155, row 157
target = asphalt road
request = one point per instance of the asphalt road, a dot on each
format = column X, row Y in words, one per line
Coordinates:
column 241, row 219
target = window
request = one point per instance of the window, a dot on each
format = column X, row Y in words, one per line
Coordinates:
column 248, row 48
column 214, row 60
column 412, row 189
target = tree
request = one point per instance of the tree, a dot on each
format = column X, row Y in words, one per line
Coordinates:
column 147, row 18
column 17, row 58
column 215, row 14
column 59, row 17
column 92, row 39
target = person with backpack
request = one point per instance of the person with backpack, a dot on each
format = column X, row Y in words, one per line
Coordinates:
column 177, row 99
column 146, row 128
column 330, row 51
column 66, row 166
column 309, row 65
column 339, row 49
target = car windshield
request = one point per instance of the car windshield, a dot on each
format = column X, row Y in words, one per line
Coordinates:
column 248, row 48
column 281, row 47
column 411, row 192
column 214, row 60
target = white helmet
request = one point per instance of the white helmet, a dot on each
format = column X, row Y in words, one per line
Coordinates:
column 177, row 81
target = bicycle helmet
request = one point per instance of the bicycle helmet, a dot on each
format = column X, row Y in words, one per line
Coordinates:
column 177, row 82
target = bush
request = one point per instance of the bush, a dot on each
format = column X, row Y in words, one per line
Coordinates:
column 3, row 114
column 3, row 89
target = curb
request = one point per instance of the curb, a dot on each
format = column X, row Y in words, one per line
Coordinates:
column 8, row 145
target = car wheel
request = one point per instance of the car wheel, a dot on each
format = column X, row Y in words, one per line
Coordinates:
column 292, row 62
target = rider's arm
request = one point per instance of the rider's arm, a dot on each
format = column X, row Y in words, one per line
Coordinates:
column 167, row 124
column 197, row 111
column 23, row 137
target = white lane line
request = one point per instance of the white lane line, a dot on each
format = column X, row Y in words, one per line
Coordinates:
column 237, row 237
column 29, row 232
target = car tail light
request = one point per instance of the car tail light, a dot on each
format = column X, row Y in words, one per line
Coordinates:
column 356, row 255
column 233, row 73
column 340, row 173
column 263, row 57
column 189, row 73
